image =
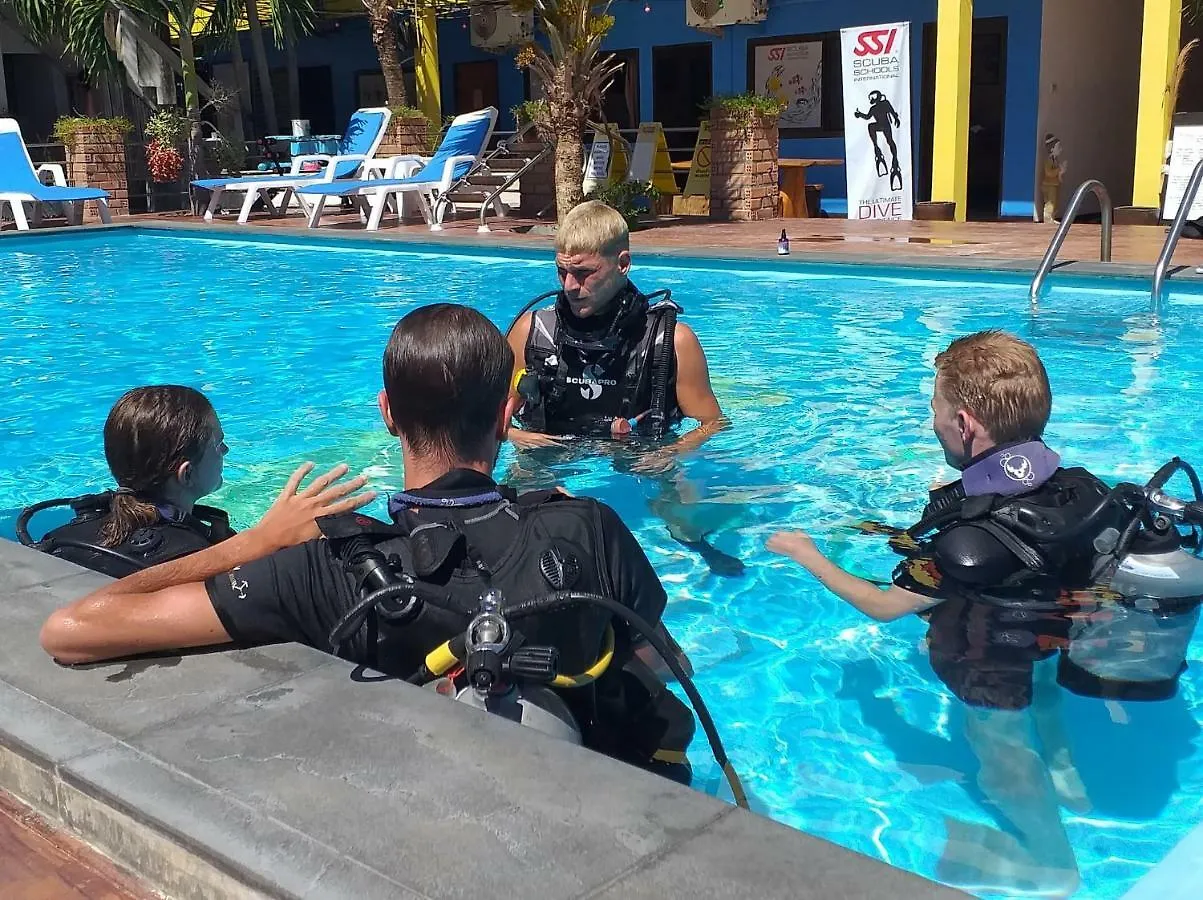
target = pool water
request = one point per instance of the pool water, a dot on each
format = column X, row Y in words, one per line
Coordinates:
column 837, row 724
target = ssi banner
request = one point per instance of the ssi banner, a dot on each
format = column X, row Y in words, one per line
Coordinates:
column 877, row 120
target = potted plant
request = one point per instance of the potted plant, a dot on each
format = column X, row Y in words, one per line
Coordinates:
column 166, row 134
column 635, row 200
column 744, row 148
column 96, row 157
column 409, row 131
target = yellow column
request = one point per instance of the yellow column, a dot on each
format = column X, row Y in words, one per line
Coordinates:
column 950, row 140
column 1158, row 55
column 426, row 63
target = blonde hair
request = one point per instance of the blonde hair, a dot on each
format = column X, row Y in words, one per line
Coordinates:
column 1000, row 381
column 593, row 227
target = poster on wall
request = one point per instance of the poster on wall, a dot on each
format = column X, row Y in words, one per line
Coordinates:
column 877, row 121
column 793, row 73
column 1186, row 152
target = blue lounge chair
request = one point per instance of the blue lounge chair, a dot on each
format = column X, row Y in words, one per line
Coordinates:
column 359, row 142
column 20, row 182
column 426, row 178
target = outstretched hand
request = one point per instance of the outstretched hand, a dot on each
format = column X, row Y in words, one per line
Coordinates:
column 291, row 520
column 531, row 440
column 797, row 545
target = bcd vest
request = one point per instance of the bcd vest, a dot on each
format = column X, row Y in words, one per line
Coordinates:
column 1038, row 528
column 79, row 540
column 584, row 384
column 1059, row 600
column 556, row 545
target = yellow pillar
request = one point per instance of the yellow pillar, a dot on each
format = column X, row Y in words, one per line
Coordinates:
column 950, row 139
column 426, row 62
column 1158, row 55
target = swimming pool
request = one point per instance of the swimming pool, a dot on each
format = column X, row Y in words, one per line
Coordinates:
column 836, row 724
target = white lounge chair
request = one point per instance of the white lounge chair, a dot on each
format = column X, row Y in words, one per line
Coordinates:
column 20, row 182
column 427, row 179
column 359, row 142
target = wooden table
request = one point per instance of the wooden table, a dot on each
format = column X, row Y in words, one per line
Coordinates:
column 793, row 185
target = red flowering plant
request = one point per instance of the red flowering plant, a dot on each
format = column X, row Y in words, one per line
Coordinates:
column 166, row 131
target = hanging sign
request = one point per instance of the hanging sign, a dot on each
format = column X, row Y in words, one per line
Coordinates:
column 877, row 121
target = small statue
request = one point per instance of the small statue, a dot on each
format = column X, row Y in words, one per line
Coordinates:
column 1053, row 172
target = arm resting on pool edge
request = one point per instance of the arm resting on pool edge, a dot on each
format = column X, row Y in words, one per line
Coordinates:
column 883, row 604
column 166, row 607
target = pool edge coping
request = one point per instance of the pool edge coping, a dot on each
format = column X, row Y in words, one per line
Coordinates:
column 143, row 800
column 800, row 257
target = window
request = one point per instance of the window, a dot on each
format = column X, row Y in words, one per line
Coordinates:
column 620, row 103
column 804, row 71
column 370, row 89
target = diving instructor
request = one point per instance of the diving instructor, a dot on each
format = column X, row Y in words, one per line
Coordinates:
column 593, row 359
column 607, row 361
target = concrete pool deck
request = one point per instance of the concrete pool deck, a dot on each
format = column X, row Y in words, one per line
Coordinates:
column 977, row 244
column 284, row 772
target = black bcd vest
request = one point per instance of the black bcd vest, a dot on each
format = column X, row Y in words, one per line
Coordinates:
column 585, row 381
column 627, row 712
column 78, row 541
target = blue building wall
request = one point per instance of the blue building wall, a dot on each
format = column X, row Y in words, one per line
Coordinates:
column 348, row 51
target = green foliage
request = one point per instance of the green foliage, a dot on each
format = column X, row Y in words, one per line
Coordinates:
column 748, row 106
column 67, row 127
column 407, row 112
column 632, row 199
column 530, row 111
column 169, row 126
column 230, row 156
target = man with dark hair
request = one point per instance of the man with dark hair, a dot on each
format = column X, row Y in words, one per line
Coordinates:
column 457, row 537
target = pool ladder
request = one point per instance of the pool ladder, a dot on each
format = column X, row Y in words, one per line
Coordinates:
column 1071, row 213
column 1161, row 270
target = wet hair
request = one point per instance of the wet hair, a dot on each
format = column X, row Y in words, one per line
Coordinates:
column 593, row 227
column 1000, row 381
column 447, row 373
column 150, row 432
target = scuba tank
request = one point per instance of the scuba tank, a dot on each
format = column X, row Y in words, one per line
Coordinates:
column 1135, row 647
column 502, row 674
column 1111, row 577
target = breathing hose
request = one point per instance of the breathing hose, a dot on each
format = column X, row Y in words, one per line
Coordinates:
column 22, row 526
column 563, row 599
column 662, row 365
column 530, row 304
column 543, row 604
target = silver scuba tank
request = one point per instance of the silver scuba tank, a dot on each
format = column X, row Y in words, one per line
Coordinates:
column 1142, row 639
column 529, row 705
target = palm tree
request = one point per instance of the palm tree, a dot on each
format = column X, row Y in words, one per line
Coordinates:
column 574, row 76
column 263, row 73
column 386, row 37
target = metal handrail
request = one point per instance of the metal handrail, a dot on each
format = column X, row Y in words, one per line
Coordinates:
column 1161, row 270
column 480, row 165
column 501, row 188
column 1071, row 213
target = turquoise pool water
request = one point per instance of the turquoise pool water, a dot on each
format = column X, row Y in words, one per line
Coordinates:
column 837, row 724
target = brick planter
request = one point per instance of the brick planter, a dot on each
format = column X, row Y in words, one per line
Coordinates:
column 538, row 185
column 405, row 136
column 96, row 158
column 743, row 168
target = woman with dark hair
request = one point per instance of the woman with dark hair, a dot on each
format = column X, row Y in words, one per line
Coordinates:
column 164, row 446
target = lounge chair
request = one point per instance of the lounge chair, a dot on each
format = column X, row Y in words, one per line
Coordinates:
column 20, row 183
column 359, row 142
column 427, row 179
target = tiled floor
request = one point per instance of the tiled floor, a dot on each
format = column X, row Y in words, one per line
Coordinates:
column 38, row 863
column 996, row 240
